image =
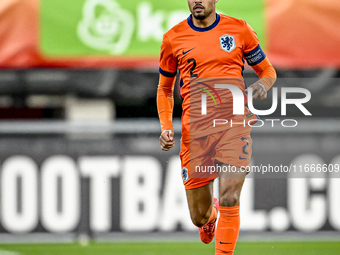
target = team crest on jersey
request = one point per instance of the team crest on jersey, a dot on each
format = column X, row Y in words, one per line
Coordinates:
column 185, row 175
column 227, row 43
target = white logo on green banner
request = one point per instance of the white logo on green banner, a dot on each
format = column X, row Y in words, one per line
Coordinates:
column 106, row 26
column 125, row 28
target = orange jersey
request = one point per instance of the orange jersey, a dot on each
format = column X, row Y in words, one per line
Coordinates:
column 217, row 51
column 199, row 52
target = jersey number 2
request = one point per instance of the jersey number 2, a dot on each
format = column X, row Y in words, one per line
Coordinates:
column 192, row 75
column 245, row 146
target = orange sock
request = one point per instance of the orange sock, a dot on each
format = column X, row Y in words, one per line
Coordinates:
column 227, row 230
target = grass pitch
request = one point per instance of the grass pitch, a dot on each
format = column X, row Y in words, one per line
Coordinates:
column 167, row 248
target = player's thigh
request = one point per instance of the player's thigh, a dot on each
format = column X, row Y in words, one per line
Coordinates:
column 200, row 200
column 230, row 184
column 196, row 159
column 234, row 147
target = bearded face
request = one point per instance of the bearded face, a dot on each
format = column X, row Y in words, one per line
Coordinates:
column 201, row 9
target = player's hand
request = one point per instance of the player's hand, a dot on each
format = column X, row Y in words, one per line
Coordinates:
column 167, row 139
column 259, row 91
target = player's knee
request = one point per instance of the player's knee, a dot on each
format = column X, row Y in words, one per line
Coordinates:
column 199, row 218
column 230, row 198
column 199, row 221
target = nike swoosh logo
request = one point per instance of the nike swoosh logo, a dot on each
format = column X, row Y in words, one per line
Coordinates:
column 241, row 158
column 185, row 52
column 225, row 243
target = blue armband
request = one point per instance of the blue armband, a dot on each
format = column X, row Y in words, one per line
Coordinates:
column 255, row 57
column 167, row 74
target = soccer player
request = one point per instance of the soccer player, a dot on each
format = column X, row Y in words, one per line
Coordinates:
column 207, row 46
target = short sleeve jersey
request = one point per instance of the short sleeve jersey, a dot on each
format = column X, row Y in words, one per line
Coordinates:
column 211, row 52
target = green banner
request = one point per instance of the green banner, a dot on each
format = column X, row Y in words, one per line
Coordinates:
column 133, row 28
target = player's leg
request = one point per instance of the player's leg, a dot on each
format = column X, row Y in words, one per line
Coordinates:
column 230, row 185
column 229, row 222
column 200, row 202
column 234, row 150
column 199, row 185
column 203, row 210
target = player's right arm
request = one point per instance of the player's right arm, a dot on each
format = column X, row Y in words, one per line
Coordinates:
column 165, row 101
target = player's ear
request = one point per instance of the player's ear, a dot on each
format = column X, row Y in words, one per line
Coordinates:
column 216, row 1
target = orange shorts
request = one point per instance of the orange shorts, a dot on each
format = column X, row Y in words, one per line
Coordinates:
column 198, row 156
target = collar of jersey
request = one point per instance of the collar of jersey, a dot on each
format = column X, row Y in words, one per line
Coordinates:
column 203, row 29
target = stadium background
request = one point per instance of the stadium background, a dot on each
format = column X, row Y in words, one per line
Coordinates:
column 79, row 150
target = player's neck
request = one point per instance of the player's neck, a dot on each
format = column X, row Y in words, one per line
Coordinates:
column 208, row 21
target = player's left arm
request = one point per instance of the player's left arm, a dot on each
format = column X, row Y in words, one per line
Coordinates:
column 267, row 75
column 257, row 59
